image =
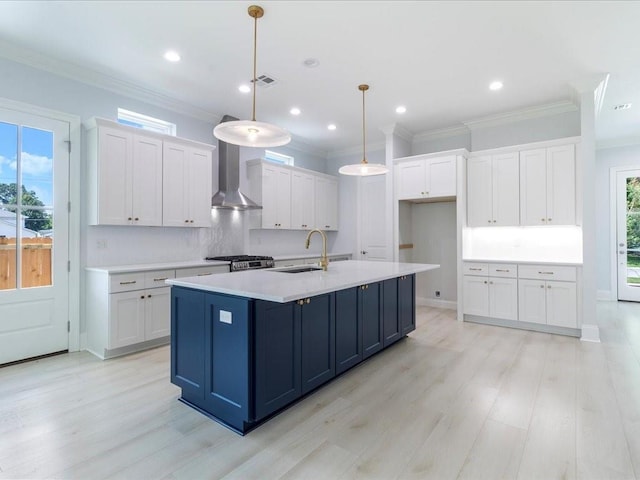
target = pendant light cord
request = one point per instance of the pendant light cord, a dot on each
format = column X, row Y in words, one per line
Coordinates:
column 364, row 88
column 255, row 80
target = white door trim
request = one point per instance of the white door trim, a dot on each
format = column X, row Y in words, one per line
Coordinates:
column 74, row 214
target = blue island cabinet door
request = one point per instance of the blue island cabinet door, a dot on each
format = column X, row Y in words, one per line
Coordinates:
column 227, row 359
column 392, row 327
column 317, row 331
column 277, row 356
column 348, row 330
column 187, row 343
column 371, row 313
column 407, row 303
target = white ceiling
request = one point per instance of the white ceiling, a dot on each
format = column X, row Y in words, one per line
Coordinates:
column 437, row 58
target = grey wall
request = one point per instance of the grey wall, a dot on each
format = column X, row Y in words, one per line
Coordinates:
column 628, row 156
column 441, row 144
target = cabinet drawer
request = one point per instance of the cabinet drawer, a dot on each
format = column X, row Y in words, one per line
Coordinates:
column 124, row 282
column 475, row 268
column 156, row 278
column 504, row 270
column 201, row 271
column 547, row 272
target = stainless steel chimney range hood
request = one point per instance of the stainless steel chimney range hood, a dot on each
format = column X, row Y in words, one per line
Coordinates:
column 229, row 195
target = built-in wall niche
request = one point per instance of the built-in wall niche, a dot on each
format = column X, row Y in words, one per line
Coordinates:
column 427, row 234
column 523, row 244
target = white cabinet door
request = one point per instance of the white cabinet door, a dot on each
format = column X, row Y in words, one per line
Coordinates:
column 532, row 301
column 126, row 318
column 561, row 185
column 561, row 304
column 326, row 203
column 503, row 298
column 276, row 197
column 412, row 178
column 199, row 188
column 146, row 191
column 505, row 190
column 157, row 314
column 187, row 186
column 479, row 192
column 533, row 187
column 476, row 295
column 441, row 177
column 175, row 176
column 303, row 199
column 114, row 176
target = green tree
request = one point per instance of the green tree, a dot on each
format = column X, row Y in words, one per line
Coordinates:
column 633, row 212
column 36, row 220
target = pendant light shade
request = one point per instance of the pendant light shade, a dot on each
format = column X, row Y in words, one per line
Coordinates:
column 363, row 168
column 250, row 133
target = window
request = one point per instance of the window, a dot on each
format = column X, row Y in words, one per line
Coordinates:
column 145, row 122
column 278, row 158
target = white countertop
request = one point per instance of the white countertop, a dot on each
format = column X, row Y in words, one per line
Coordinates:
column 267, row 284
column 156, row 266
column 279, row 258
column 522, row 262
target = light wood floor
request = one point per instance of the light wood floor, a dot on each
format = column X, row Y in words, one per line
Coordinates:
column 454, row 400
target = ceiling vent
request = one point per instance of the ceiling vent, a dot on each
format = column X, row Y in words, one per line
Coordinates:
column 622, row 106
column 265, row 81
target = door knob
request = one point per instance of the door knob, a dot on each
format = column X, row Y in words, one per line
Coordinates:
column 622, row 252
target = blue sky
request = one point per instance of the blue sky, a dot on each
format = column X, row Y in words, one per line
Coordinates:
column 36, row 158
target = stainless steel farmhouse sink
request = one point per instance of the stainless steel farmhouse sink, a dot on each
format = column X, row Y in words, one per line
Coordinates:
column 300, row 269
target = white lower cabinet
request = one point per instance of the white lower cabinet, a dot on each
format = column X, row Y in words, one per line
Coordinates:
column 537, row 294
column 491, row 290
column 548, row 302
column 131, row 311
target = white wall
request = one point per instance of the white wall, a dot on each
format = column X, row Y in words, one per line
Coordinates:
column 627, row 156
column 442, row 144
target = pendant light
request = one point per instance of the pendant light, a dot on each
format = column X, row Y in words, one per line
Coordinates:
column 363, row 168
column 250, row 133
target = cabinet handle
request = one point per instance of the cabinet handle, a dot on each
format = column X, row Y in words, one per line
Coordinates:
column 490, row 283
column 543, row 219
column 548, row 286
column 142, row 297
column 485, row 282
column 475, row 269
column 129, row 218
column 190, row 221
column 160, row 279
column 541, row 286
column 300, row 302
column 204, row 274
column 327, row 226
column 501, row 270
column 128, row 283
column 186, row 221
column 545, row 273
column 308, row 301
column 136, row 219
column 149, row 296
column 548, row 219
column 489, row 221
column 494, row 221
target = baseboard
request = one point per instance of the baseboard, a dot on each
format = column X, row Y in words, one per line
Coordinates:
column 605, row 296
column 534, row 327
column 590, row 333
column 432, row 302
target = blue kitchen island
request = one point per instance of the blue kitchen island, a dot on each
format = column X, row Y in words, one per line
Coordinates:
column 245, row 345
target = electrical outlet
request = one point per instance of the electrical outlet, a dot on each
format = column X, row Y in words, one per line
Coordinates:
column 101, row 243
column 437, row 293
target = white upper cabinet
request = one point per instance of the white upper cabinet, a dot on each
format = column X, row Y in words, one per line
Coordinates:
column 548, row 186
column 326, row 203
column 147, row 179
column 187, row 186
column 125, row 173
column 292, row 198
column 426, row 178
column 493, row 190
column 302, row 200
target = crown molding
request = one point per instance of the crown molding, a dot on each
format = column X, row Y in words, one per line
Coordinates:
column 618, row 142
column 397, row 130
column 454, row 131
column 520, row 115
column 101, row 80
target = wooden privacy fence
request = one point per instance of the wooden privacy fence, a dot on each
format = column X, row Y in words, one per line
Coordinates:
column 36, row 262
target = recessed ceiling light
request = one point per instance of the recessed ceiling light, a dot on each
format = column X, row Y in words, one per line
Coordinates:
column 622, row 106
column 401, row 109
column 331, row 126
column 244, row 88
column 294, row 111
column 311, row 62
column 172, row 56
column 497, row 85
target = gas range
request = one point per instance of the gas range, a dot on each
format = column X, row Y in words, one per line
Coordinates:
column 238, row 263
